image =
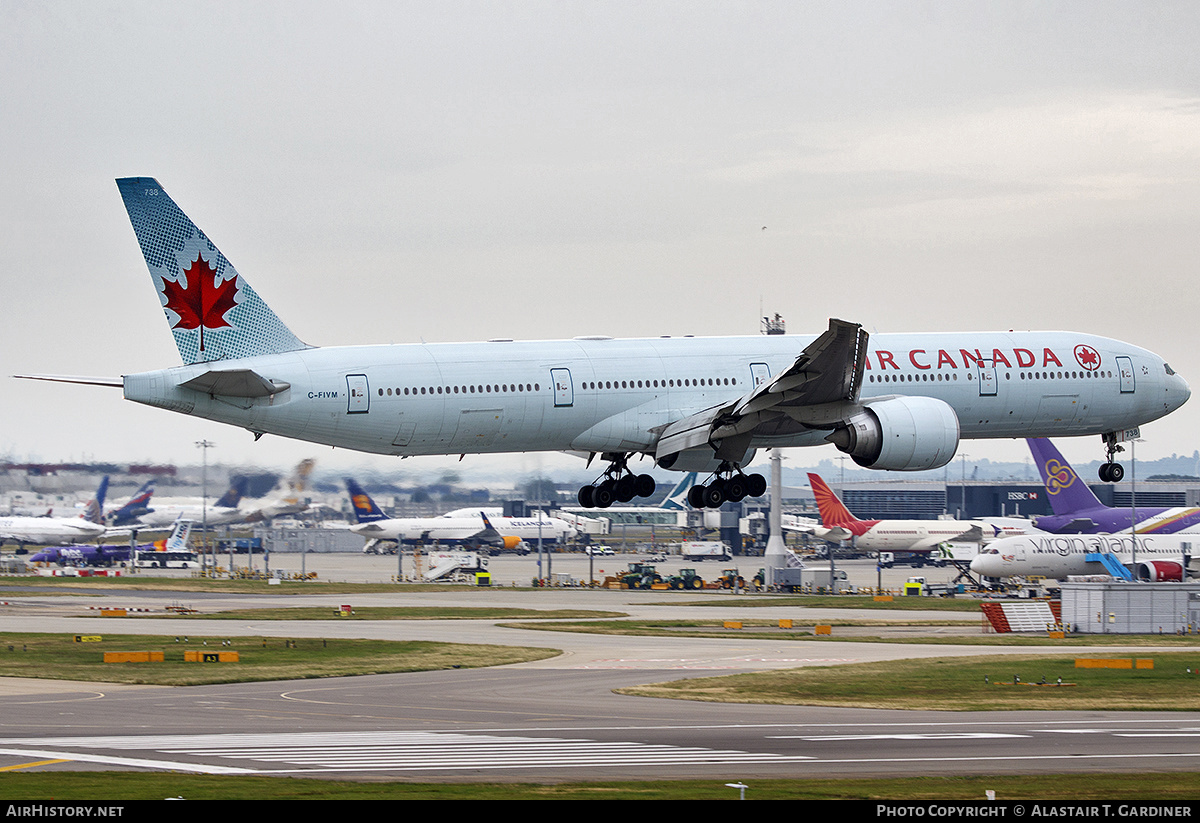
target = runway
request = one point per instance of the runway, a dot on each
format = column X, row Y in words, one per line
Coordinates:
column 550, row 720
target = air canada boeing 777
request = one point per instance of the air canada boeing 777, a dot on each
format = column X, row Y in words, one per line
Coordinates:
column 896, row 402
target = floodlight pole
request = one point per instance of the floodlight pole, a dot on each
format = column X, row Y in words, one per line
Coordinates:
column 204, row 446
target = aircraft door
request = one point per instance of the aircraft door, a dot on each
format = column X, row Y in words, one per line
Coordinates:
column 1125, row 369
column 358, row 394
column 987, row 378
column 564, row 390
column 759, row 373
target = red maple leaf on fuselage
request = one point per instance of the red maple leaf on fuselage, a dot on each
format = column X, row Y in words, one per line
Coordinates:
column 201, row 303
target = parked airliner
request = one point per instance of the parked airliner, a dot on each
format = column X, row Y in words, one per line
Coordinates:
column 1157, row 558
column 1077, row 510
column 895, row 402
column 107, row 555
column 46, row 530
column 893, row 535
column 477, row 529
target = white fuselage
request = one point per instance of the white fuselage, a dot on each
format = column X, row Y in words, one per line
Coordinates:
column 431, row 529
column 919, row 535
column 1061, row 556
column 166, row 513
column 607, row 395
column 46, row 530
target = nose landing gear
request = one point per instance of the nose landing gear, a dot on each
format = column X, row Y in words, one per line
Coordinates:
column 1111, row 471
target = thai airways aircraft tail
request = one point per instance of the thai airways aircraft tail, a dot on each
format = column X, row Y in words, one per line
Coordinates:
column 212, row 311
column 365, row 510
column 1067, row 491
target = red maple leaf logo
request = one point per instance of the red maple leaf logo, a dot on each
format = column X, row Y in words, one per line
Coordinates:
column 1087, row 357
column 201, row 304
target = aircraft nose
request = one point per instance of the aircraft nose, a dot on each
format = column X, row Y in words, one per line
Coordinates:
column 1180, row 391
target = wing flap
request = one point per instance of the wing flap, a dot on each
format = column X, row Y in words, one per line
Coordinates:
column 827, row 375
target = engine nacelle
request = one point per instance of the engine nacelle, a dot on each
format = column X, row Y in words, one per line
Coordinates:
column 1160, row 571
column 697, row 460
column 904, row 434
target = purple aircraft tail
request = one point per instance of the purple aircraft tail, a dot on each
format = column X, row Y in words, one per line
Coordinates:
column 1066, row 490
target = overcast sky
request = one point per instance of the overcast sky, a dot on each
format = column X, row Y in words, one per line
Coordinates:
column 440, row 171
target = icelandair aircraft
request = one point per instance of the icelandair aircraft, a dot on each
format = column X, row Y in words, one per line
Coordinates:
column 1077, row 510
column 894, row 535
column 1157, row 559
column 897, row 402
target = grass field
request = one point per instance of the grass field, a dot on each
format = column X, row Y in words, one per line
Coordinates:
column 959, row 684
column 1160, row 789
column 59, row 657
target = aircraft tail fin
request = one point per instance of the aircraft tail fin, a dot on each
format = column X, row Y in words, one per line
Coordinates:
column 177, row 540
column 138, row 505
column 677, row 497
column 833, row 512
column 1067, row 491
column 212, row 311
column 233, row 495
column 365, row 510
column 94, row 513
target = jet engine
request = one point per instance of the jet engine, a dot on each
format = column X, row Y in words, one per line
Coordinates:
column 903, row 434
column 1160, row 571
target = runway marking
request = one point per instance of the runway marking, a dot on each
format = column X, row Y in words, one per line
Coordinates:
column 936, row 736
column 32, row 765
column 406, row 751
column 132, row 762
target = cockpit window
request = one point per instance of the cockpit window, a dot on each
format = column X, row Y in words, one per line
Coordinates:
column 1168, row 368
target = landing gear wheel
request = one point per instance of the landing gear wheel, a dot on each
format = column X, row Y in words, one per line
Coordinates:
column 604, row 494
column 1112, row 473
column 626, row 489
column 714, row 494
column 736, row 488
column 585, row 496
column 695, row 497
column 645, row 485
column 756, row 485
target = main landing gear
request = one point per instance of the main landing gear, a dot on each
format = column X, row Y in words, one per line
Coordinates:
column 734, row 486
column 1111, row 472
column 619, row 485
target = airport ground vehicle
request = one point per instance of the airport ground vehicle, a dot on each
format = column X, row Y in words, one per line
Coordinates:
column 700, row 550
column 168, row 560
column 686, row 579
column 640, row 576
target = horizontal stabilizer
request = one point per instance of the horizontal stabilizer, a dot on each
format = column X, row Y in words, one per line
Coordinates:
column 234, row 383
column 111, row 382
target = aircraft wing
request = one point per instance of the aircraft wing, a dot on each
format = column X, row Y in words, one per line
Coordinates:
column 815, row 389
column 972, row 535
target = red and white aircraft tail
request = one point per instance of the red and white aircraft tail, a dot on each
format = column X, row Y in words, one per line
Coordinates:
column 834, row 515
